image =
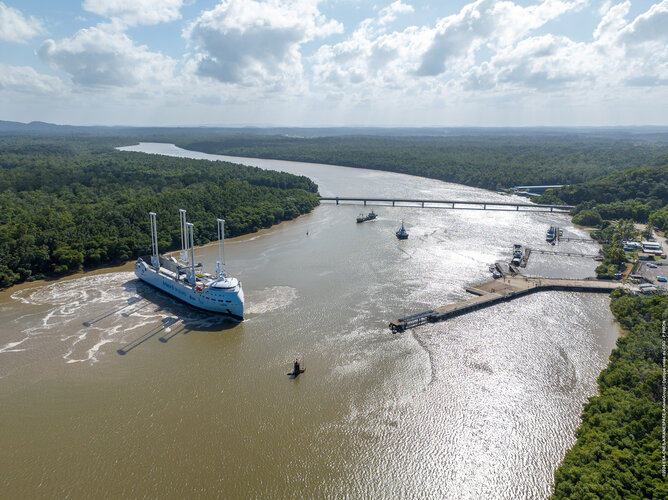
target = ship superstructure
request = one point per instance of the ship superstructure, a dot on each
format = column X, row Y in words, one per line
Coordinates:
column 185, row 280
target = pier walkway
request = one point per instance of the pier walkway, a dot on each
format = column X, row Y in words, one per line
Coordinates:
column 566, row 253
column 451, row 204
column 500, row 290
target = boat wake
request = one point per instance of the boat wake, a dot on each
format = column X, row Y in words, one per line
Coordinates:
column 75, row 319
column 270, row 299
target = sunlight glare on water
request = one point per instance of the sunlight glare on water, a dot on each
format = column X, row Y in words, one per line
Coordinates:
column 111, row 388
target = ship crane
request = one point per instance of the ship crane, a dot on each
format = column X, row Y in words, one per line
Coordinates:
column 220, row 264
column 184, row 236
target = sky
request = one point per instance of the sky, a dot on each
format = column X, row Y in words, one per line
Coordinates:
column 311, row 63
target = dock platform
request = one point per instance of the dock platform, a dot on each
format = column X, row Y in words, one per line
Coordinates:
column 501, row 290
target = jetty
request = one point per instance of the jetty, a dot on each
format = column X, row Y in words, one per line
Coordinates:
column 501, row 290
column 451, row 204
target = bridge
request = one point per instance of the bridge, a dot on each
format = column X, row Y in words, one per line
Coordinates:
column 451, row 204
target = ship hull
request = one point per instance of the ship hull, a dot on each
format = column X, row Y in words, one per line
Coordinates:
column 229, row 303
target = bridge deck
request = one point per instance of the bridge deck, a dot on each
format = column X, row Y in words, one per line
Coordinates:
column 461, row 204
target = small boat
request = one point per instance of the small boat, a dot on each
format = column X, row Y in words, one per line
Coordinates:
column 296, row 370
column 551, row 234
column 517, row 254
column 370, row 216
column 402, row 234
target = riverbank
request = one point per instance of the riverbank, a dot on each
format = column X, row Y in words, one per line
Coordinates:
column 618, row 450
column 129, row 265
column 491, row 160
column 85, row 209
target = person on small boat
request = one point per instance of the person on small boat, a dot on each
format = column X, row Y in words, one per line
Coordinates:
column 297, row 369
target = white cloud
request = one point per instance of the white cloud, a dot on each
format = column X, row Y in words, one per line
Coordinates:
column 540, row 63
column 265, row 61
column 102, row 57
column 621, row 55
column 614, row 19
column 257, row 43
column 392, row 11
column 371, row 57
column 491, row 22
column 651, row 26
column 446, row 61
column 15, row 27
column 135, row 12
column 25, row 79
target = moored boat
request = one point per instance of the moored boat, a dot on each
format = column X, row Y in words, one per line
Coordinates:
column 517, row 255
column 551, row 234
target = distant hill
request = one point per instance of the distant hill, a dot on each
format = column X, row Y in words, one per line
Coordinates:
column 43, row 128
column 38, row 127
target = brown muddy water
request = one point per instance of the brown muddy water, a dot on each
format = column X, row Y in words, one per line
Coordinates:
column 109, row 388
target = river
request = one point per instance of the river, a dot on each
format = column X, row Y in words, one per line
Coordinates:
column 109, row 388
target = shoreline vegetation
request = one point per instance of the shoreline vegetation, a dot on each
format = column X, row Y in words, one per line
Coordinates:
column 618, row 448
column 611, row 174
column 68, row 204
column 492, row 161
column 128, row 265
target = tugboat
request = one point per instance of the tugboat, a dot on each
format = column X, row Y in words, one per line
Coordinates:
column 370, row 216
column 401, row 233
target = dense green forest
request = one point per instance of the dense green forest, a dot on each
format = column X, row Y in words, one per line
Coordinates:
column 618, row 449
column 72, row 203
column 640, row 194
column 487, row 161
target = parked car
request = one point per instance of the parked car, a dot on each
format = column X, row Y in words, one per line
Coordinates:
column 661, row 278
column 653, row 266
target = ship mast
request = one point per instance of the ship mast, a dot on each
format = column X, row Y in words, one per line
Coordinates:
column 184, row 236
column 155, row 259
column 192, row 277
column 220, row 265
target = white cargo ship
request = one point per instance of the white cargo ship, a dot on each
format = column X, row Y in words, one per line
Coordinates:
column 186, row 281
